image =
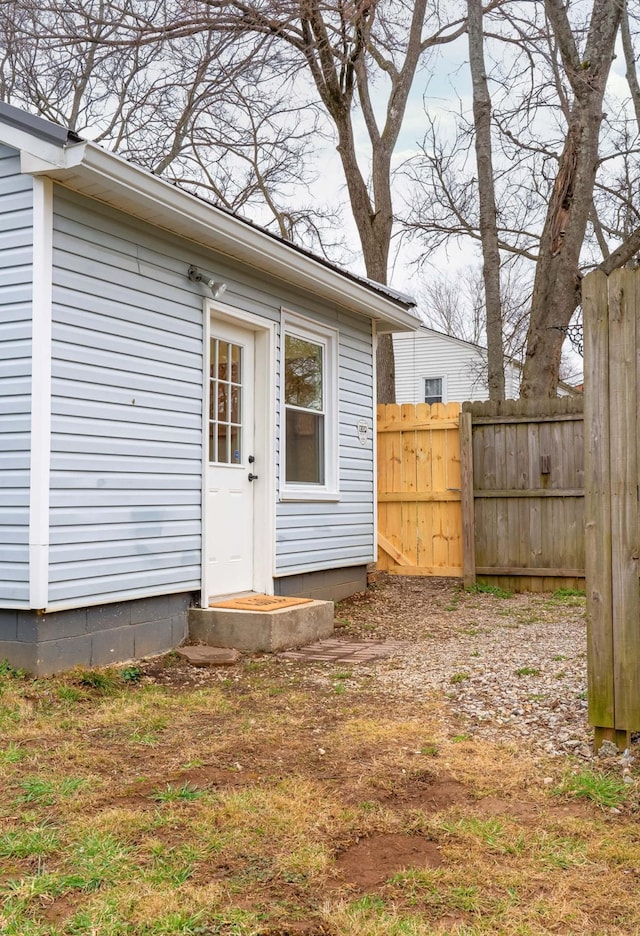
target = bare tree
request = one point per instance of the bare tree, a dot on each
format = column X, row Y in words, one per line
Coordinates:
column 456, row 306
column 201, row 109
column 351, row 49
column 359, row 57
column 556, row 290
column 564, row 176
column 488, row 224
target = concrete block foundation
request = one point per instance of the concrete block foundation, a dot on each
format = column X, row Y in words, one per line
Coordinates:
column 43, row 644
column 325, row 585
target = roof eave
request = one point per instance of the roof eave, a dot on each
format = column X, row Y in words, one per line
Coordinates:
column 89, row 169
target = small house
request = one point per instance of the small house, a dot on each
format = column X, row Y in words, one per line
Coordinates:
column 187, row 407
column 432, row 367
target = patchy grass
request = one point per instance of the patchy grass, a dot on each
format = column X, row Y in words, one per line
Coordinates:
column 605, row 789
column 563, row 594
column 483, row 588
column 567, row 597
column 527, row 671
column 459, row 677
column 159, row 800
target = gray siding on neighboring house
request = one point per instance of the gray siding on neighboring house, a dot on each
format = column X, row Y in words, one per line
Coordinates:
column 126, row 472
column 16, row 258
column 328, row 535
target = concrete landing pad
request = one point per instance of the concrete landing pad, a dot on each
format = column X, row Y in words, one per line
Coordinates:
column 262, row 631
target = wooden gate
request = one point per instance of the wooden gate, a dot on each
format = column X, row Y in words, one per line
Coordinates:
column 523, row 493
column 611, row 308
column 419, row 523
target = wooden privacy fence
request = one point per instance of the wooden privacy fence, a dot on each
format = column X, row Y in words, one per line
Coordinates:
column 523, row 493
column 611, row 308
column 494, row 492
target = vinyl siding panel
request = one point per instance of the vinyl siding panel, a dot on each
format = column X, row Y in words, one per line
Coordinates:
column 463, row 367
column 126, row 413
column 329, row 535
column 16, row 261
column 126, row 475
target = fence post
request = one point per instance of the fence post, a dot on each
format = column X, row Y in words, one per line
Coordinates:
column 597, row 483
column 624, row 498
column 467, row 504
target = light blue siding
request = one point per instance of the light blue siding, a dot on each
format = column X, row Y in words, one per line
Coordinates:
column 314, row 536
column 127, row 413
column 16, row 259
column 126, row 471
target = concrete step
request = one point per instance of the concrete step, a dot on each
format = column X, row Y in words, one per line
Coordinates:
column 262, row 631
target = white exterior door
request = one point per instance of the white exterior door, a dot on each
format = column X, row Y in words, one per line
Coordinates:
column 231, row 466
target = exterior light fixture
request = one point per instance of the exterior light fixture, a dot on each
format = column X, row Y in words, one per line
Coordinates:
column 217, row 287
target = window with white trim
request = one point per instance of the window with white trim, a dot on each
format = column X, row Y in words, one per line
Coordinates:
column 433, row 390
column 309, row 438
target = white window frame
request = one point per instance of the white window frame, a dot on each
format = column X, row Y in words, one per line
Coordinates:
column 308, row 330
column 443, row 391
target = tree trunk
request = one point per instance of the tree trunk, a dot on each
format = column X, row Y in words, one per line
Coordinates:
column 374, row 229
column 487, row 202
column 556, row 288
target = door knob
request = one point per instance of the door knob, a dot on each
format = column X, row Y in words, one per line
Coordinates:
column 252, row 477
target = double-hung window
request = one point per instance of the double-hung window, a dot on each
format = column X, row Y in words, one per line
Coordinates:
column 433, row 390
column 309, row 462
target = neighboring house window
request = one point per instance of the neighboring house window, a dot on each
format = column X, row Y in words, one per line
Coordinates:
column 309, row 394
column 433, row 390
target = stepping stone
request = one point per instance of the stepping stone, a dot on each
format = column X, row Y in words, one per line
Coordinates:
column 209, row 656
column 338, row 650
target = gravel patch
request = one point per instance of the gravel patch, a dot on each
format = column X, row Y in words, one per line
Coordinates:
column 512, row 668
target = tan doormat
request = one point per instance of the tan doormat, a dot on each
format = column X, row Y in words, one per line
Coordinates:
column 259, row 603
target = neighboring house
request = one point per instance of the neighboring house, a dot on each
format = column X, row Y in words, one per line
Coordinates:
column 164, row 442
column 435, row 368
column 432, row 367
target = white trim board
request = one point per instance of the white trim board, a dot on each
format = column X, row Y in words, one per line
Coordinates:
column 40, row 465
column 264, row 556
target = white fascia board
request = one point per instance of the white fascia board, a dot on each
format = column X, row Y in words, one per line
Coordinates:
column 31, row 146
column 158, row 202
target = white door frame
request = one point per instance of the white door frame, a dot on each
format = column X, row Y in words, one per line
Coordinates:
column 264, row 436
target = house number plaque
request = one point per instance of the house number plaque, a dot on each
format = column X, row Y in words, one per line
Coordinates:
column 363, row 432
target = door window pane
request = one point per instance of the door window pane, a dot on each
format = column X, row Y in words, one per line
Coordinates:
column 223, row 359
column 223, row 448
column 225, row 409
column 236, row 363
column 236, row 396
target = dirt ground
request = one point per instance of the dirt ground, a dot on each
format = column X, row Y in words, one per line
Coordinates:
column 427, row 618
column 279, row 797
